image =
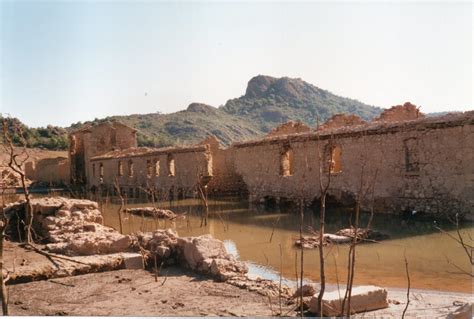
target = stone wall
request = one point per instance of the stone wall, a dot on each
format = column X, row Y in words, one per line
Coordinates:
column 49, row 170
column 172, row 171
column 225, row 180
column 425, row 166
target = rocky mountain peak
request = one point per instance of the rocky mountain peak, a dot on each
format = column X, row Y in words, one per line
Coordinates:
column 258, row 86
column 200, row 108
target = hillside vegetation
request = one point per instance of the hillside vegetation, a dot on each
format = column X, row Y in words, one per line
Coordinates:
column 50, row 137
column 267, row 103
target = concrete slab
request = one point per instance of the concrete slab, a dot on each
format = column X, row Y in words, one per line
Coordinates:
column 363, row 298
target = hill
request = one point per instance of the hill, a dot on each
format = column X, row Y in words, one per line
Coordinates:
column 267, row 102
column 50, row 137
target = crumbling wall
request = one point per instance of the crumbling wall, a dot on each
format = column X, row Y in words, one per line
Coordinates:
column 290, row 127
column 427, row 167
column 49, row 170
column 341, row 120
column 405, row 112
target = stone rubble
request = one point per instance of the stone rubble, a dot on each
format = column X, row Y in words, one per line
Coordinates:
column 152, row 212
column 73, row 227
column 203, row 254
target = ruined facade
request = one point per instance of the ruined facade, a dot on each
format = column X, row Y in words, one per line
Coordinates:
column 172, row 172
column 402, row 161
column 424, row 165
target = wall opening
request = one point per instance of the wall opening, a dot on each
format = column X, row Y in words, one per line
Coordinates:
column 286, row 162
column 336, row 163
column 120, row 168
column 412, row 164
column 130, row 168
column 157, row 167
column 93, row 170
column 171, row 165
column 101, row 170
column 149, row 168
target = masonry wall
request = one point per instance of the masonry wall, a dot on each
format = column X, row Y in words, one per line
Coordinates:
column 52, row 171
column 225, row 180
column 424, row 169
column 190, row 167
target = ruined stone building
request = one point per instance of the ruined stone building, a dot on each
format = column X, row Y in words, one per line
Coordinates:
column 401, row 161
column 94, row 140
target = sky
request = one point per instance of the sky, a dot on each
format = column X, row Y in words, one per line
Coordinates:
column 62, row 62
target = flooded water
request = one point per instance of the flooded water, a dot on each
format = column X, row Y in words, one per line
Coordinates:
column 255, row 235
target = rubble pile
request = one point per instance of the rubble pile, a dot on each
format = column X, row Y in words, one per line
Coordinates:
column 203, row 254
column 72, row 227
column 152, row 212
column 162, row 244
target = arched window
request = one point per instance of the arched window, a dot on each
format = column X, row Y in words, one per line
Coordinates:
column 157, row 167
column 120, row 168
column 171, row 165
column 149, row 168
column 286, row 162
column 336, row 164
column 130, row 168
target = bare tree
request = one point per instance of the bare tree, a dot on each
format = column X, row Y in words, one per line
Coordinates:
column 465, row 243
column 16, row 162
column 3, row 290
column 408, row 288
column 323, row 188
column 122, row 203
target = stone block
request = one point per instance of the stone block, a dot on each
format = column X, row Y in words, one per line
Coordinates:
column 133, row 261
column 363, row 298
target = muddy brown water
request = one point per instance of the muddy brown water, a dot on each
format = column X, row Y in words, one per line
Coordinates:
column 435, row 261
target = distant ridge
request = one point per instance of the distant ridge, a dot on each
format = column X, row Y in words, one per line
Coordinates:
column 268, row 102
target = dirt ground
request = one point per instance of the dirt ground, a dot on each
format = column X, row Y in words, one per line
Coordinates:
column 135, row 293
column 178, row 292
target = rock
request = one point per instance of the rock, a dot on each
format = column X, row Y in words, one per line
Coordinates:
column 364, row 298
column 336, row 239
column 152, row 212
column 308, row 290
column 225, row 269
column 203, row 247
column 463, row 312
column 363, row 233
